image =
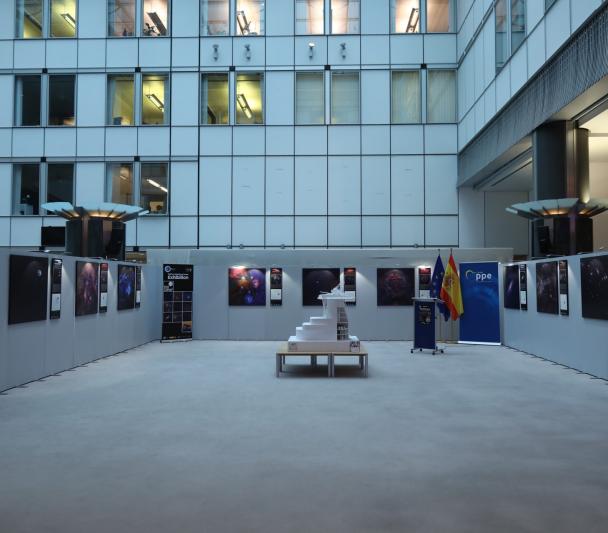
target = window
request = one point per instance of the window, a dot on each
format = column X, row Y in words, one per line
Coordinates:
column 548, row 4
column 249, row 98
column 345, row 16
column 26, row 189
column 121, row 18
column 120, row 100
column 27, row 101
column 518, row 23
column 441, row 96
column 439, row 16
column 510, row 16
column 63, row 18
column 502, row 38
column 60, row 182
column 405, row 16
column 309, row 17
column 61, row 100
column 344, row 97
column 29, row 19
column 155, row 18
column 250, row 17
column 120, row 183
column 155, row 96
column 154, row 190
column 214, row 99
column 310, row 97
column 215, row 17
column 406, row 97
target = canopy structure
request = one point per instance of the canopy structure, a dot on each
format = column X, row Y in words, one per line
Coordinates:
column 105, row 210
column 560, row 207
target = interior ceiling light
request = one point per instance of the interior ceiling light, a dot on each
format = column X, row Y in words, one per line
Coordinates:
column 241, row 19
column 559, row 207
column 413, row 21
column 244, row 105
column 69, row 19
column 156, row 101
column 161, row 29
column 33, row 19
column 107, row 210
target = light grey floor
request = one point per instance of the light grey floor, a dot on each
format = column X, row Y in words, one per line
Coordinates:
column 201, row 437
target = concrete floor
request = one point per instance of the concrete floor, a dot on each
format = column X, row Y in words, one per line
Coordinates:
column 201, row 437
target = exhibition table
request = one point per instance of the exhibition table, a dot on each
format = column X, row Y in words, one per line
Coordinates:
column 283, row 353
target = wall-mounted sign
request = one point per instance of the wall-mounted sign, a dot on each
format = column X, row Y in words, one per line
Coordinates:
column 56, row 272
column 523, row 287
column 350, row 285
column 276, row 286
column 424, row 282
column 103, row 287
column 137, row 286
column 177, row 302
column 563, row 287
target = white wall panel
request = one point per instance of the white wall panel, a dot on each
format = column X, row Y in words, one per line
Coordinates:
column 344, row 186
column 184, row 52
column 91, row 100
column 344, row 231
column 6, row 179
column 580, row 11
column 375, row 139
column 248, row 186
column 153, row 141
column 471, row 221
column 216, row 140
column 61, row 53
column 153, row 231
column 441, row 177
column 407, row 139
column 279, row 186
column 407, row 49
column 279, row 231
column 279, row 140
column 185, row 99
column 121, row 53
column 344, row 140
column 6, row 54
column 5, row 231
column 92, row 18
column 302, row 50
column 92, row 53
column 184, row 141
column 311, row 186
column 440, row 138
column 407, row 231
column 279, row 17
column 7, row 88
column 311, row 231
column 184, row 181
column 536, row 49
column 28, row 142
column 311, row 140
column 7, row 21
column 60, row 142
column 534, row 12
column 279, row 51
column 376, row 185
column 407, row 185
column 25, row 231
column 249, row 51
column 184, row 231
column 375, row 50
column 376, row 231
column 6, row 136
column 215, row 231
column 441, row 231
column 352, row 52
column 121, row 141
column 279, row 98
column 440, row 48
column 185, row 18
column 248, row 231
column 557, row 24
column 519, row 69
column 216, row 186
column 248, row 140
column 375, row 109
column 29, row 54
column 224, row 52
column 503, row 86
column 154, row 53
column 374, row 16
column 90, row 183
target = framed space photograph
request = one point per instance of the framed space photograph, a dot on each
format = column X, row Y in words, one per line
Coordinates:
column 547, row 288
column 87, row 295
column 594, row 287
column 318, row 280
column 126, row 287
column 511, row 287
column 246, row 286
column 395, row 286
column 28, row 287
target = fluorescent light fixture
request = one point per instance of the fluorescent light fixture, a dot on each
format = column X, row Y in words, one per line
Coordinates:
column 164, row 189
column 413, row 22
column 156, row 101
column 158, row 23
column 152, row 182
column 244, row 105
column 241, row 19
column 311, row 50
column 69, row 19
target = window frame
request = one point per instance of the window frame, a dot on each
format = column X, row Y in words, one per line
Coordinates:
column 445, row 69
column 139, row 178
column 510, row 51
column 236, row 31
column 109, row 76
column 420, row 87
column 262, row 75
column 215, row 73
column 46, row 180
column 135, row 28
column 48, row 100
column 452, row 18
column 16, row 78
column 295, row 98
column 295, row 21
column 331, row 98
column 140, row 32
column 41, row 179
column 331, row 22
column 391, row 21
column 166, row 103
column 44, row 25
column 109, row 184
column 230, row 17
column 50, row 24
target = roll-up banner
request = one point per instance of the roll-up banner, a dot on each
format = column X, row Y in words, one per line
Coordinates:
column 350, row 285
column 177, row 302
column 103, row 287
column 276, row 286
column 137, row 286
column 480, row 323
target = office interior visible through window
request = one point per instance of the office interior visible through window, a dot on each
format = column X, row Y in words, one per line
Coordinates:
column 121, row 18
column 310, row 98
column 60, row 182
column 310, row 18
column 406, row 97
column 518, row 23
column 155, row 18
column 121, row 95
column 30, row 19
column 345, row 98
column 26, row 189
column 215, row 17
column 154, row 191
column 405, row 16
column 120, row 183
column 62, row 100
column 439, row 16
column 249, row 98
column 63, row 18
column 214, row 99
column 441, row 96
column 345, row 16
column 155, row 99
column 27, row 100
column 501, row 48
column 250, row 17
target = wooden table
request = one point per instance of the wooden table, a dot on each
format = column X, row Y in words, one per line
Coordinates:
column 283, row 353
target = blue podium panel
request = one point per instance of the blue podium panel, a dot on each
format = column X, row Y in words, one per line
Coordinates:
column 424, row 325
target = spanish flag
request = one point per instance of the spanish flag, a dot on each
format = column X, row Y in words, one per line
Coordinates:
column 450, row 290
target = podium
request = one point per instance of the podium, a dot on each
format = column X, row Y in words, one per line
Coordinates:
column 424, row 325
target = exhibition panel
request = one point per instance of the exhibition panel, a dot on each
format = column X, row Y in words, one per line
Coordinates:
column 395, row 286
column 594, row 287
column 28, row 288
column 87, row 275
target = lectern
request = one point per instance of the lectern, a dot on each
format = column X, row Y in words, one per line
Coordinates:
column 424, row 325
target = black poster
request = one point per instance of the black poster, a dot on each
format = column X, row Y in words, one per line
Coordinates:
column 547, row 289
column 350, row 285
column 137, row 286
column 28, row 287
column 395, row 286
column 56, row 271
column 523, row 288
column 594, row 287
column 126, row 287
column 511, row 287
column 318, row 280
column 103, row 287
column 424, row 282
column 276, row 286
column 87, row 289
column 563, row 287
column 177, row 302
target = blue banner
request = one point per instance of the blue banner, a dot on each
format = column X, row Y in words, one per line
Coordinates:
column 480, row 322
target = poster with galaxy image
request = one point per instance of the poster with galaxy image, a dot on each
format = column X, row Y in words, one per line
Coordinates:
column 594, row 287
column 103, row 287
column 126, row 287
column 523, row 287
column 137, row 286
column 395, row 286
column 28, row 287
column 246, row 286
column 87, row 296
column 276, row 286
column 511, row 287
column 318, row 280
column 547, row 289
column 56, row 274
column 177, row 302
column 563, row 287
column 350, row 285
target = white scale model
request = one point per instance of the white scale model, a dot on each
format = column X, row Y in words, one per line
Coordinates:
column 327, row 333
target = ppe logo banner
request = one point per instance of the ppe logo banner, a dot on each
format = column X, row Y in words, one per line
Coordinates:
column 481, row 321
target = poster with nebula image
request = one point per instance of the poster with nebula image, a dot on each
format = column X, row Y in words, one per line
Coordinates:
column 395, row 286
column 594, row 287
column 126, row 287
column 87, row 278
column 511, row 287
column 547, row 288
column 28, row 287
column 246, row 286
column 316, row 281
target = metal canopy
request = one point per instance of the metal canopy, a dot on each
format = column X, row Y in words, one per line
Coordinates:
column 107, row 210
column 560, row 207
